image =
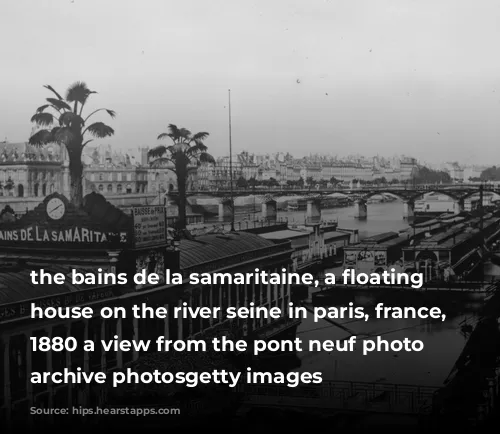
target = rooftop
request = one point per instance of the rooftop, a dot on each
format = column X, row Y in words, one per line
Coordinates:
column 16, row 286
column 288, row 234
column 396, row 241
column 216, row 247
column 21, row 153
column 381, row 238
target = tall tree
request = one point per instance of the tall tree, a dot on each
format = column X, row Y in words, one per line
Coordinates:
column 187, row 149
column 63, row 122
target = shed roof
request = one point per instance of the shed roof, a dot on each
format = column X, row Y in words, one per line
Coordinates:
column 288, row 234
column 16, row 286
column 209, row 248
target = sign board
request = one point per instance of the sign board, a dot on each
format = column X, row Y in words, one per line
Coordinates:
column 57, row 224
column 67, row 235
column 149, row 225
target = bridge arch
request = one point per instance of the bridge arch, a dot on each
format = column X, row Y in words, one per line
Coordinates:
column 399, row 195
column 406, row 195
column 495, row 192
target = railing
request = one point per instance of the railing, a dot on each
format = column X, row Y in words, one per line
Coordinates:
column 333, row 395
column 465, row 286
column 343, row 395
column 347, row 188
column 269, row 330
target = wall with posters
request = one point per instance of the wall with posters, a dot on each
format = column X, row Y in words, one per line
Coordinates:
column 153, row 261
column 365, row 260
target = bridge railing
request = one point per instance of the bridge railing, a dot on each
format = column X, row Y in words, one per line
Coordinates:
column 345, row 395
column 464, row 286
column 494, row 187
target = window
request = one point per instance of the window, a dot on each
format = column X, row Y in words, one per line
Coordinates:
column 119, row 188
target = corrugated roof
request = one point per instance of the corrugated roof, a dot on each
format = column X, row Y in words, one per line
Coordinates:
column 16, row 286
column 287, row 234
column 334, row 234
column 379, row 246
column 381, row 238
column 210, row 248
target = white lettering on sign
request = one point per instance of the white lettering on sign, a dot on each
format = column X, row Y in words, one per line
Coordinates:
column 72, row 235
column 149, row 225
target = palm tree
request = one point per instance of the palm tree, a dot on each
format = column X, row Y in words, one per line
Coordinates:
column 64, row 124
column 187, row 149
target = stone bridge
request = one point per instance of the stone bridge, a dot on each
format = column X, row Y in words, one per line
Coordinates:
column 458, row 193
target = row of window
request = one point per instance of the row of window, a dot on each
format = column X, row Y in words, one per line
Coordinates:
column 21, row 175
column 128, row 189
column 112, row 176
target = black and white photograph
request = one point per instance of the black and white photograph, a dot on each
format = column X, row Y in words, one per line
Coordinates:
column 249, row 216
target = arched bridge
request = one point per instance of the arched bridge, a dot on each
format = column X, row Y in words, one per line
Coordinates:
column 269, row 196
column 405, row 192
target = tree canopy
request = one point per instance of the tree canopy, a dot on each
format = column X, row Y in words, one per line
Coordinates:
column 62, row 121
column 186, row 150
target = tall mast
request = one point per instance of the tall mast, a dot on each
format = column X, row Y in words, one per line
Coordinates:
column 231, row 164
column 481, row 227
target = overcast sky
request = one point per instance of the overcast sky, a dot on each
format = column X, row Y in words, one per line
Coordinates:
column 419, row 77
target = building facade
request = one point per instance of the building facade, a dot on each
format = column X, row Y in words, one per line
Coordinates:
column 28, row 171
column 85, row 241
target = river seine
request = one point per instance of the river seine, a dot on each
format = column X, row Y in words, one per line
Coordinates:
column 443, row 340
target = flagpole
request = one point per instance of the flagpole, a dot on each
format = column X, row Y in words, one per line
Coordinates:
column 231, row 164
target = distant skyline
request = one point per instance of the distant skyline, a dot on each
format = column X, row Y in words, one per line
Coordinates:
column 413, row 77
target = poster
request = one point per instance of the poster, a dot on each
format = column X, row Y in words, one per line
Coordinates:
column 153, row 261
column 365, row 256
column 149, row 225
column 349, row 258
column 380, row 258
